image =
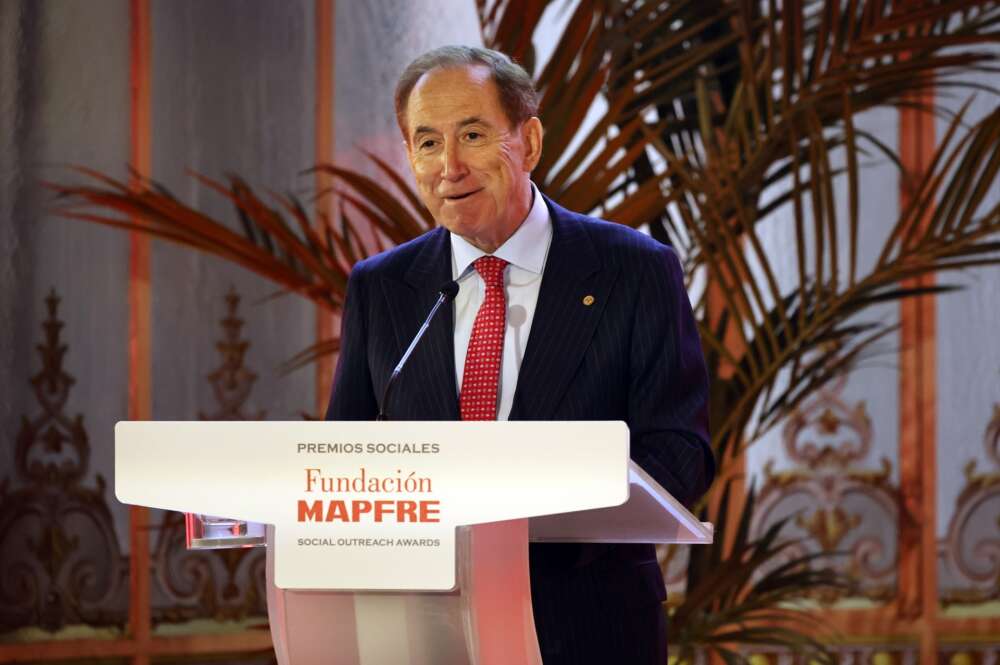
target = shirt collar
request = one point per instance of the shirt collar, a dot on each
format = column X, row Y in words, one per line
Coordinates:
column 525, row 249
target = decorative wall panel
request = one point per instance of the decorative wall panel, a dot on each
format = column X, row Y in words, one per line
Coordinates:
column 60, row 561
column 233, row 92
column 836, row 498
column 63, row 100
column 875, row 381
column 894, row 652
column 968, row 391
column 829, row 468
column 970, row 551
column 232, row 381
column 867, row 654
column 969, row 654
column 223, row 585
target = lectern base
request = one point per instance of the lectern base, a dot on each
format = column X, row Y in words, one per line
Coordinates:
column 486, row 621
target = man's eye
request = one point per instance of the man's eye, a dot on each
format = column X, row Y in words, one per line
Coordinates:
column 474, row 136
column 428, row 144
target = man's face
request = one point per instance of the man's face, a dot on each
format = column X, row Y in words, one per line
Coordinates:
column 471, row 166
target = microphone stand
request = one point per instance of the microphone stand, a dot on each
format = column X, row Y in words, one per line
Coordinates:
column 447, row 294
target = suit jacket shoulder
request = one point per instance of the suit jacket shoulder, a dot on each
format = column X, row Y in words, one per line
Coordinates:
column 396, row 263
column 618, row 245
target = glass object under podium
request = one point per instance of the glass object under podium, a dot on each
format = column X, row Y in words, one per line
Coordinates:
column 210, row 532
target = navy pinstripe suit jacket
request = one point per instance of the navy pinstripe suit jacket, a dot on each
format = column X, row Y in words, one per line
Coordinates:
column 633, row 355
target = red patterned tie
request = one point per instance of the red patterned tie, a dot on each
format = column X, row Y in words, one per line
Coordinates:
column 481, row 376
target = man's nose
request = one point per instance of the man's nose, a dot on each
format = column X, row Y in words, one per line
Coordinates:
column 454, row 167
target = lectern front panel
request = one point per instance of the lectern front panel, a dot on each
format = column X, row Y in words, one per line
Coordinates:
column 485, row 620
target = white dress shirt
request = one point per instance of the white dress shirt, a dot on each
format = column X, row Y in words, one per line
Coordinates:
column 526, row 252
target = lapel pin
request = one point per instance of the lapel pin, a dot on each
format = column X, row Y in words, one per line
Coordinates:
column 588, row 300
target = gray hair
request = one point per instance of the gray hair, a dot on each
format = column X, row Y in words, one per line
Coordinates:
column 518, row 97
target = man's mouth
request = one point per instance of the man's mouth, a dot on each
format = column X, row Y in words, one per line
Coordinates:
column 459, row 197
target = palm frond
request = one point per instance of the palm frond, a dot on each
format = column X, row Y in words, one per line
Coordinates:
column 797, row 335
column 271, row 245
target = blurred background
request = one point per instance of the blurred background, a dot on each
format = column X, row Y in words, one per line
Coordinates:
column 826, row 170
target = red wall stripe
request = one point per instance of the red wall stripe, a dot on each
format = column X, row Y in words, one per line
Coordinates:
column 139, row 376
column 918, row 594
column 324, row 136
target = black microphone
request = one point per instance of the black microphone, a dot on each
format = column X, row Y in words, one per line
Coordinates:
column 447, row 294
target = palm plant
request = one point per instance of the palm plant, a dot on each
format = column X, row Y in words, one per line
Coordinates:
column 711, row 118
column 749, row 592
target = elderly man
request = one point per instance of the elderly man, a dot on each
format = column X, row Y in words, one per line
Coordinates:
column 558, row 317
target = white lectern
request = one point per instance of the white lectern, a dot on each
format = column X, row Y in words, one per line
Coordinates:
column 404, row 543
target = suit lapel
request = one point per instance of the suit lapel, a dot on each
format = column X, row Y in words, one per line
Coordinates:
column 434, row 359
column 564, row 323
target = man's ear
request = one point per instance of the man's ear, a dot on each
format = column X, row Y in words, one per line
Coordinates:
column 531, row 134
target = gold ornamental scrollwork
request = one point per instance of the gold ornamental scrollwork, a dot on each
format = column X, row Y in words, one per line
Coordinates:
column 837, row 502
column 969, row 554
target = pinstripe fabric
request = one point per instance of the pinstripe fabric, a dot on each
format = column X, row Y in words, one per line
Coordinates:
column 631, row 354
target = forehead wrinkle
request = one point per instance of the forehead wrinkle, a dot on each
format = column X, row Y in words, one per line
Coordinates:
column 472, row 120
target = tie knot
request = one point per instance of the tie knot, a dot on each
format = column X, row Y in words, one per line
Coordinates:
column 490, row 268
